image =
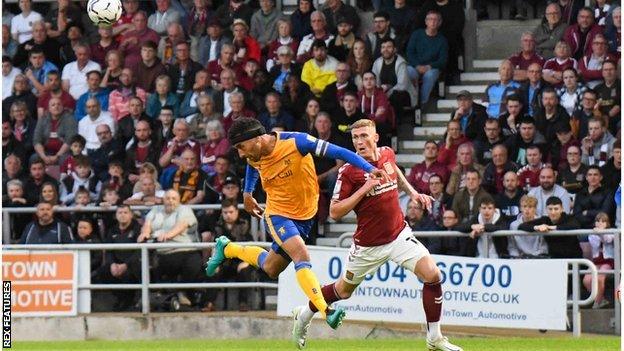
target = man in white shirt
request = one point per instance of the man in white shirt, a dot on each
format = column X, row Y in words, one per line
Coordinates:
column 87, row 127
column 75, row 73
column 8, row 76
column 21, row 25
column 164, row 15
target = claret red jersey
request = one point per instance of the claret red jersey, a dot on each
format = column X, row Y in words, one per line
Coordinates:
column 379, row 216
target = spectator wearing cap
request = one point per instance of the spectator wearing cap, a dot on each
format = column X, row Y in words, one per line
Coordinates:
column 580, row 35
column 232, row 10
column 610, row 96
column 427, row 54
column 550, row 114
column 319, row 32
column 496, row 93
column 340, row 46
column 210, row 44
column 590, row 67
column 531, row 89
column 40, row 37
column 597, row 146
column 320, row 71
column 264, row 23
column 470, row 115
column 54, row 88
column 557, row 156
column 132, row 41
column 148, row 68
column 46, row 229
column 527, row 135
column 421, row 173
column 393, row 78
column 167, row 45
column 164, row 15
column 245, row 47
column 527, row 56
column 94, row 78
column 381, row 30
column 335, row 9
column 38, row 69
column 274, row 114
column 75, row 73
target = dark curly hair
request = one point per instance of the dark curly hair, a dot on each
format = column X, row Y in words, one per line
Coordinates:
column 242, row 128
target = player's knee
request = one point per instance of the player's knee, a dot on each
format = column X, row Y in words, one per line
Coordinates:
column 431, row 275
column 271, row 270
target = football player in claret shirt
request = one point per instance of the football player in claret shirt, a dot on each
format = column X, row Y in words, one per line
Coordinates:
column 382, row 235
column 283, row 161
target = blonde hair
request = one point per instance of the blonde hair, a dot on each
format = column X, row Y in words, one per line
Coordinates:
column 529, row 201
column 364, row 122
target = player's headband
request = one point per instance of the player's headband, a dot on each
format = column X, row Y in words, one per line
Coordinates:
column 247, row 134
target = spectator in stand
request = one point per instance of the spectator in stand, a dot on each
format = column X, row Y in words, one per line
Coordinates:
column 197, row 122
column 580, row 118
column 557, row 154
column 117, row 184
column 284, row 38
column 237, row 110
column 12, row 170
column 75, row 35
column 494, row 173
column 264, row 23
column 513, row 115
column 448, row 150
column 183, row 70
column 508, row 200
column 547, row 189
column 527, row 246
column 381, row 31
column 375, row 106
column 224, row 62
column 81, row 177
column 335, row 9
column 301, row 20
column 166, row 51
column 422, row 172
column 341, row 45
column 401, row 20
column 110, row 150
column 556, row 218
column 593, row 199
column 552, row 113
column 127, row 124
column 219, row 179
column 222, row 97
column 427, row 54
column 119, row 99
column 122, row 267
column 601, row 11
column 9, row 72
column 114, row 67
column 333, row 93
column 572, row 176
column 245, row 46
column 465, row 162
column 590, row 66
column 441, row 200
column 550, row 31
column 173, row 149
column 518, row 144
column 49, row 193
column 274, row 114
column 75, row 73
column 174, row 222
column 15, row 198
column 148, row 68
column 311, row 111
column 418, row 220
column 597, row 146
column 360, row 61
column 201, row 87
column 165, row 14
column 531, row 90
column 141, row 149
column 36, row 179
column 21, row 92
column 613, row 33
column 319, row 32
column 132, row 41
column 610, row 96
column 162, row 96
column 320, row 71
column 145, row 170
column 211, row 43
column 189, row 179
column 94, row 118
column 489, row 219
column 106, row 43
column 148, row 195
column 40, row 38
column 232, row 10
column 22, row 24
column 347, row 115
column 467, row 201
column 602, row 256
column 492, row 137
column 580, row 35
column 216, row 145
column 496, row 93
column 471, row 116
column 455, row 245
column 94, row 78
column 529, row 175
column 46, row 229
column 553, row 68
column 611, row 171
column 391, row 71
column 53, row 133
column 23, row 126
column 571, row 93
column 525, row 58
column 37, row 70
column 10, row 145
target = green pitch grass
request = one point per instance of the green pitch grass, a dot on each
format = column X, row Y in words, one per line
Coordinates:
column 469, row 344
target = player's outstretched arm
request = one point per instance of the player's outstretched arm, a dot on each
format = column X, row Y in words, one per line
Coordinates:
column 321, row 148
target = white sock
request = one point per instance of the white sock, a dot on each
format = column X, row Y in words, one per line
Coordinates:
column 306, row 314
column 433, row 331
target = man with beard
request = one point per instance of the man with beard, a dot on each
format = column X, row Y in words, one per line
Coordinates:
column 54, row 90
column 518, row 144
column 127, row 124
column 597, row 146
column 142, row 149
column 548, row 189
column 508, row 201
column 45, row 229
column 36, row 179
column 493, row 137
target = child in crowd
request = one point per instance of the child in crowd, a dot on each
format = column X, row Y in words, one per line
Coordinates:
column 81, row 178
column 76, row 147
column 602, row 254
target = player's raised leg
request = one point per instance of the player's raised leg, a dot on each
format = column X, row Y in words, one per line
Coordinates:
column 254, row 255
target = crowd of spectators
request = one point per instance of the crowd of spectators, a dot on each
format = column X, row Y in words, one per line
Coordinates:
column 138, row 114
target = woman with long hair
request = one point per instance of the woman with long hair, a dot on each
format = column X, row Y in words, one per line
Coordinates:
column 571, row 93
column 360, row 61
column 23, row 125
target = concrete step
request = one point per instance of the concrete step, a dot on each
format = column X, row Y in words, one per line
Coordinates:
column 436, row 117
column 412, row 145
column 479, row 77
column 452, row 104
column 475, row 89
column 429, row 132
column 497, row 39
column 409, row 158
column 487, row 64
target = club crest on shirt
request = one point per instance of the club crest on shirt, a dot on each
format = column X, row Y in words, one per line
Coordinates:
column 388, row 167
